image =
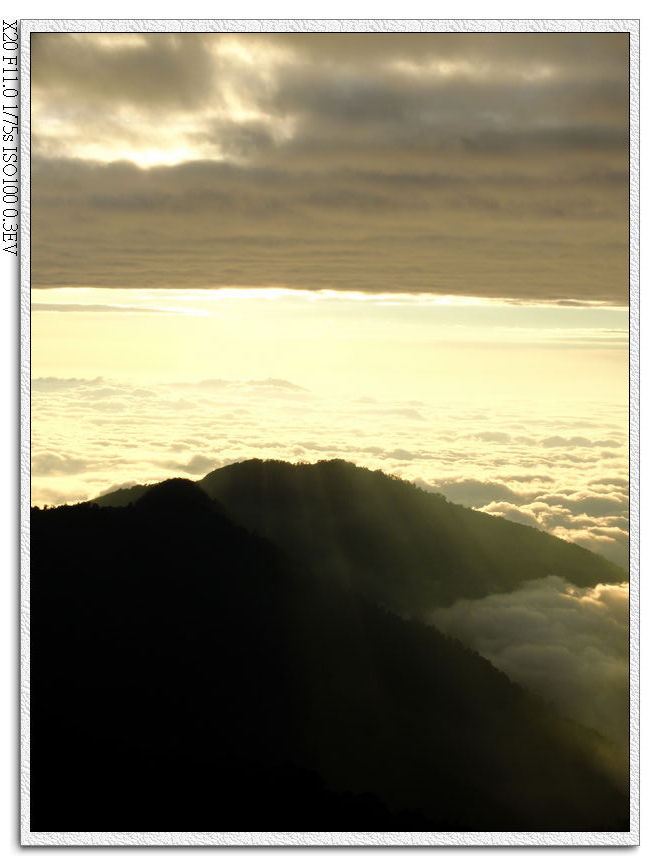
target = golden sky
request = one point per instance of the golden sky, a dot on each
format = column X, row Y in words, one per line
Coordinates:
column 408, row 250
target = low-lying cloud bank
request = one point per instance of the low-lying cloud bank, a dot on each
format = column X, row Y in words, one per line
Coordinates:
column 90, row 434
column 596, row 516
column 570, row 645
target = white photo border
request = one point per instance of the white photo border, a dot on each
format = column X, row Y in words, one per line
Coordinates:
column 324, row 839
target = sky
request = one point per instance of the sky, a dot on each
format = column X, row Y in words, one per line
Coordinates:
column 471, row 164
column 406, row 250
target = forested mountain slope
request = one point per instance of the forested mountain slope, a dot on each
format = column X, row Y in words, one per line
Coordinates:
column 189, row 676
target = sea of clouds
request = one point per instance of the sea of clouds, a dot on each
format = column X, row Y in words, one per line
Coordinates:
column 568, row 645
column 566, row 474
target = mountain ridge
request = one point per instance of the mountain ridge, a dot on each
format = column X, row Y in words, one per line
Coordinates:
column 402, row 546
column 185, row 674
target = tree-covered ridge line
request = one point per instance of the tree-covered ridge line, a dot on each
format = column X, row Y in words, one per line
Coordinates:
column 402, row 546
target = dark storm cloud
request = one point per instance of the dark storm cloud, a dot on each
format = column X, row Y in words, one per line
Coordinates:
column 146, row 70
column 207, row 224
column 470, row 164
column 488, row 50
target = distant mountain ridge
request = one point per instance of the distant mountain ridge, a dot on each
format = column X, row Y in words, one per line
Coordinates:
column 408, row 549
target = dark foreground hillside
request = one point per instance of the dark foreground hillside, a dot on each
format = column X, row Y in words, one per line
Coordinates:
column 186, row 677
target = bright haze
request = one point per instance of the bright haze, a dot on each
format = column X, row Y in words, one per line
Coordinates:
column 407, row 250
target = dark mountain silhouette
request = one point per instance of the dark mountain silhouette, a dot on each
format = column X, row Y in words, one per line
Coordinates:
column 405, row 548
column 188, row 675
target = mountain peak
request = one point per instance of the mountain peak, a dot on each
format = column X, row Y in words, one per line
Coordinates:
column 174, row 492
column 406, row 548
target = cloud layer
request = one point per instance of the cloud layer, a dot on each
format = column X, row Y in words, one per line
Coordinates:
column 90, row 434
column 568, row 644
column 470, row 164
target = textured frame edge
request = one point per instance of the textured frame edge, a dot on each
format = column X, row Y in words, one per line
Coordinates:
column 320, row 839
